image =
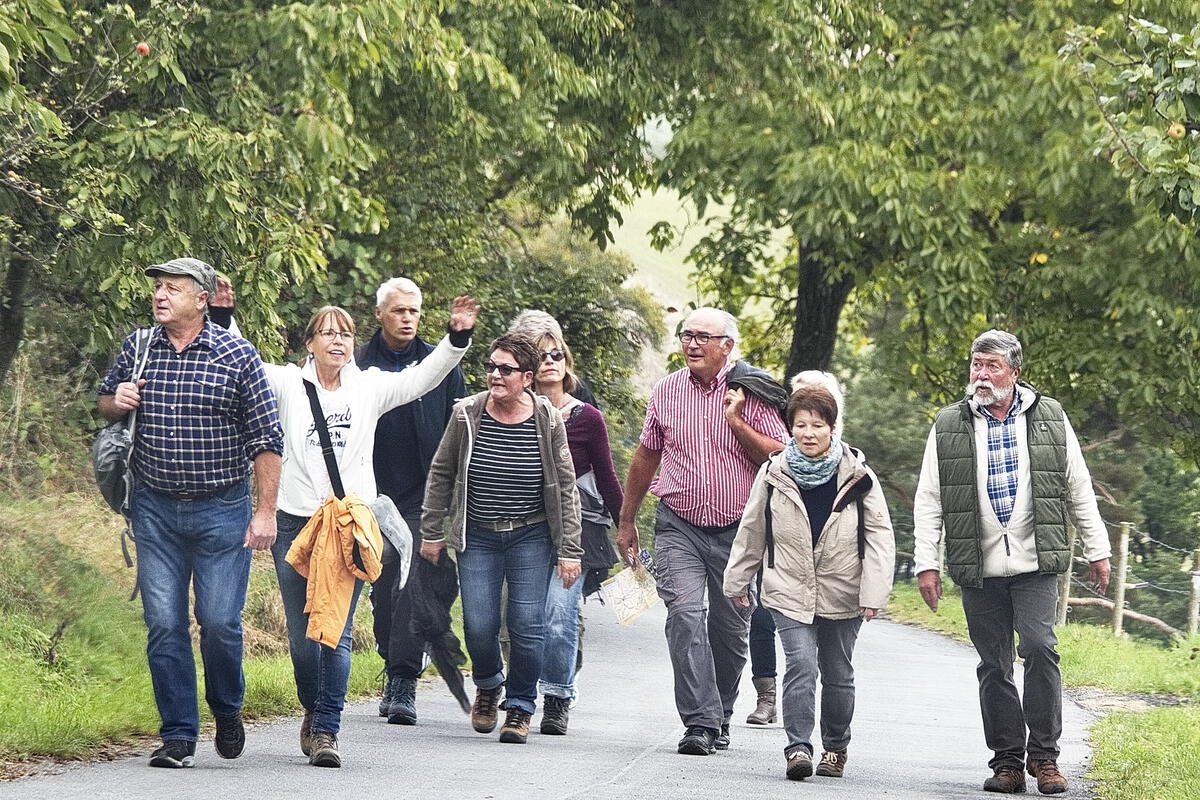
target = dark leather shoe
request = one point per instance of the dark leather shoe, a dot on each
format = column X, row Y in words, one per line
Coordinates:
column 722, row 740
column 1006, row 780
column 698, row 741
column 1049, row 779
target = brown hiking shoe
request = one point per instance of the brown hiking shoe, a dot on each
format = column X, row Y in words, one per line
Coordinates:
column 1049, row 779
column 516, row 727
column 483, row 713
column 1006, row 780
column 832, row 764
column 799, row 764
column 306, row 733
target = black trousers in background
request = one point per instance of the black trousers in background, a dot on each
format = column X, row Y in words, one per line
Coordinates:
column 402, row 650
column 1030, row 723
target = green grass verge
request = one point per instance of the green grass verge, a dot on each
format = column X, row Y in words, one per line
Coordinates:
column 1135, row 755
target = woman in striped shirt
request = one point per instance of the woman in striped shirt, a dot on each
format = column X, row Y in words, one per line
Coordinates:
column 503, row 472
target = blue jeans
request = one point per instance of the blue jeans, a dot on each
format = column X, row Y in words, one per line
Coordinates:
column 321, row 672
column 524, row 558
column 562, row 638
column 823, row 648
column 181, row 543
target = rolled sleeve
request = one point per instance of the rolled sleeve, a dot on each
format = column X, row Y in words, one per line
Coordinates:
column 122, row 368
column 652, row 432
column 259, row 421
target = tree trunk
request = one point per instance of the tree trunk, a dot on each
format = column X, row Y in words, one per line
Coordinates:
column 13, row 296
column 819, row 303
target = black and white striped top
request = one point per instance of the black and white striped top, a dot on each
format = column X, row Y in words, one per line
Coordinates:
column 504, row 480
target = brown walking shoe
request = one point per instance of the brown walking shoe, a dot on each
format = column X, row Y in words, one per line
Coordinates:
column 1006, row 780
column 832, row 764
column 1049, row 779
column 306, row 733
column 483, row 713
column 516, row 726
column 799, row 764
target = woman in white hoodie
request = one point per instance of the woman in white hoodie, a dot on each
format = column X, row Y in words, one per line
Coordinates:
column 352, row 401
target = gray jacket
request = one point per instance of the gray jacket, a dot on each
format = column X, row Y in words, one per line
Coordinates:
column 446, row 487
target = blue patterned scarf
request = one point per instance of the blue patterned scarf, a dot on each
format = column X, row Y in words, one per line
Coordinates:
column 811, row 472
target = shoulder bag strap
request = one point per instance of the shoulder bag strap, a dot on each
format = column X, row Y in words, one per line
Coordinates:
column 335, row 477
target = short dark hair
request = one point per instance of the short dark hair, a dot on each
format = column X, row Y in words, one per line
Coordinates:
column 521, row 348
column 814, row 399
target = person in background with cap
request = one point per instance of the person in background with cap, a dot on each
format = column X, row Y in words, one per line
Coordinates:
column 205, row 415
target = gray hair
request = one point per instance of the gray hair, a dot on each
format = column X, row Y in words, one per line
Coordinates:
column 728, row 323
column 534, row 324
column 1001, row 343
column 826, row 381
column 402, row 285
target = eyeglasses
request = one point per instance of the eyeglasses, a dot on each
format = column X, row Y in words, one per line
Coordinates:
column 699, row 338
column 554, row 355
column 505, row 369
column 329, row 336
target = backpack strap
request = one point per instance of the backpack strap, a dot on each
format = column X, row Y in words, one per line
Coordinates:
column 862, row 526
column 335, row 477
column 770, row 529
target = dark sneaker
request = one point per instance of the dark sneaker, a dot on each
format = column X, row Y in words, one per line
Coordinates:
column 483, row 713
column 832, row 764
column 698, row 741
column 554, row 715
column 1049, row 779
column 385, row 700
column 231, row 736
column 516, row 727
column 174, row 754
column 306, row 733
column 324, row 750
column 799, row 764
column 403, row 708
column 722, row 740
column 1006, row 780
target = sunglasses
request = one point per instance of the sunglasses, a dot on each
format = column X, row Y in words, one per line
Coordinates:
column 505, row 369
column 554, row 355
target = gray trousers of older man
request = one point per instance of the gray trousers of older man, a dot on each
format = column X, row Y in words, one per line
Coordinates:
column 708, row 643
column 1030, row 723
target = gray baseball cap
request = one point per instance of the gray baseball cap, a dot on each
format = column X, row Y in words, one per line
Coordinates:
column 205, row 275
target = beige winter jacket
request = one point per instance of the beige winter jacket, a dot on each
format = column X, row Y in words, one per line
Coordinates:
column 829, row 581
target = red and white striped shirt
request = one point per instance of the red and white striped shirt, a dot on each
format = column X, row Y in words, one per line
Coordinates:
column 705, row 475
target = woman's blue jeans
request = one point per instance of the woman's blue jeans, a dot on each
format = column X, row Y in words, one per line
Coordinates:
column 321, row 672
column 562, row 638
column 522, row 558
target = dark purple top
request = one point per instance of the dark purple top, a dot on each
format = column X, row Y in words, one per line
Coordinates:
column 587, row 436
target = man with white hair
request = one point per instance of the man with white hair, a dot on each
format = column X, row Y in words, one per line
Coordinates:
column 405, row 440
column 1002, row 469
column 709, row 440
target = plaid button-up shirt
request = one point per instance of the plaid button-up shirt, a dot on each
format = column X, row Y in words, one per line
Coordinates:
column 1002, row 460
column 205, row 412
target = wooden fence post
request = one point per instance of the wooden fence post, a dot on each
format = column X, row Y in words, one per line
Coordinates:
column 1064, row 580
column 1118, row 579
column 1194, row 605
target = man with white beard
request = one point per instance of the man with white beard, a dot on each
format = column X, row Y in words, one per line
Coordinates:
column 1002, row 470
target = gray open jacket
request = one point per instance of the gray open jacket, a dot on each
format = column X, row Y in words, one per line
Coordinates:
column 446, row 487
column 829, row 580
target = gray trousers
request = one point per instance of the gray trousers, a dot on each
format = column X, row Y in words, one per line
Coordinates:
column 824, row 647
column 708, row 646
column 1024, row 604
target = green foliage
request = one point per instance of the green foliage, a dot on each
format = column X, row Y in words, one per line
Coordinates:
column 1151, row 754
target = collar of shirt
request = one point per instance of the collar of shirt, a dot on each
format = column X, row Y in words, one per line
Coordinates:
column 716, row 381
column 1013, row 410
column 203, row 339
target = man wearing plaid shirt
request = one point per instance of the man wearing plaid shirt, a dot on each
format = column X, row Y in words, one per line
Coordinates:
column 205, row 414
column 1002, row 471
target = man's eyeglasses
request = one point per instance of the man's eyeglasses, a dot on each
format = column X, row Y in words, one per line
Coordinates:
column 329, row 336
column 699, row 338
column 505, row 369
column 554, row 355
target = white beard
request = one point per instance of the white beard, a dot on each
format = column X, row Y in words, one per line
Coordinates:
column 997, row 396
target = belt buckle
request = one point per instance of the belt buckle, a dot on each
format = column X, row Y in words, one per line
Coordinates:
column 505, row 525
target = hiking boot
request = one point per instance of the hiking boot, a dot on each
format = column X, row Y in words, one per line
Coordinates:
column 324, row 750
column 306, row 733
column 385, row 700
column 231, row 735
column 516, row 726
column 698, row 741
column 764, row 712
column 799, row 764
column 554, row 715
column 722, row 740
column 483, row 713
column 1049, row 779
column 832, row 764
column 174, row 754
column 403, row 708
column 1006, row 780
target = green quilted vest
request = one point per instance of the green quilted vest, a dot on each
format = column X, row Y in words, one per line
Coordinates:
column 955, row 438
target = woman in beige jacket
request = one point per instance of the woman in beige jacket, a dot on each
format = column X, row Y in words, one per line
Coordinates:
column 818, row 524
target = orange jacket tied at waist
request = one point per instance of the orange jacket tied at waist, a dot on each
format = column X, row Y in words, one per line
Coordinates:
column 341, row 543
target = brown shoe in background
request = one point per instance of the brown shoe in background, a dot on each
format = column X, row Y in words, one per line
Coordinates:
column 1049, row 779
column 516, row 727
column 483, row 713
column 832, row 764
column 1006, row 780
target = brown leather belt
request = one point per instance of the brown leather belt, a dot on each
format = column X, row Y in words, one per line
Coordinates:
column 501, row 525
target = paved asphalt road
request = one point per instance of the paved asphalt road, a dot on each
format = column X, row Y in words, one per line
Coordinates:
column 916, row 735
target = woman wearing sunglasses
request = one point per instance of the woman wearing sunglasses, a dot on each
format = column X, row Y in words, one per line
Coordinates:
column 503, row 474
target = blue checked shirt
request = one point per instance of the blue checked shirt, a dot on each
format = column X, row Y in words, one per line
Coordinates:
column 1002, row 461
column 205, row 412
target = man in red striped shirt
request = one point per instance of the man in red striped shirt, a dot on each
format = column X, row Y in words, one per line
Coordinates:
column 709, row 441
